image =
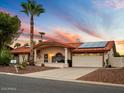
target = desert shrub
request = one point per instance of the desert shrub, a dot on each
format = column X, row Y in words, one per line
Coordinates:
column 5, row 57
column 23, row 65
column 107, row 64
column 42, row 65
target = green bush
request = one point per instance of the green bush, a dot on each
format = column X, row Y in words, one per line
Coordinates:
column 107, row 62
column 24, row 64
column 21, row 67
column 5, row 57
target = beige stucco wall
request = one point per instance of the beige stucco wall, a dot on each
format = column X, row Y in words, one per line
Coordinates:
column 114, row 61
column 23, row 58
column 51, row 51
column 61, row 65
column 117, row 61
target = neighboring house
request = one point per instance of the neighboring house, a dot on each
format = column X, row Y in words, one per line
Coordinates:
column 86, row 54
column 21, row 54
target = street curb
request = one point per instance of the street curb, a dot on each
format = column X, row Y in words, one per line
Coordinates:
column 98, row 83
column 76, row 81
column 10, row 74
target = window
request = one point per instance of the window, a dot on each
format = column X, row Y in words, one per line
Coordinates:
column 45, row 58
column 58, row 58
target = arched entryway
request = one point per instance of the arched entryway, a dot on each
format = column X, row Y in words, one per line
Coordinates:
column 59, row 58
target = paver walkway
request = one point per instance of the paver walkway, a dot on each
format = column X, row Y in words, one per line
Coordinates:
column 63, row 73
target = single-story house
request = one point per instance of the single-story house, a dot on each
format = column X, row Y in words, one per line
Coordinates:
column 56, row 54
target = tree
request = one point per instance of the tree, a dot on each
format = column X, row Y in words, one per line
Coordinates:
column 117, row 54
column 41, row 35
column 26, row 44
column 17, row 45
column 32, row 8
column 9, row 29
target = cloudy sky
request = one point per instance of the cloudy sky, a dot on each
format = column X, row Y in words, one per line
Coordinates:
column 72, row 20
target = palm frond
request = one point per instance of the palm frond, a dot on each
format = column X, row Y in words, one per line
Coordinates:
column 32, row 8
column 25, row 8
column 38, row 10
column 26, row 12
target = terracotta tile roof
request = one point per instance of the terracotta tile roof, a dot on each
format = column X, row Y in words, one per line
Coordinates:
column 109, row 45
column 21, row 50
column 76, row 44
column 53, row 43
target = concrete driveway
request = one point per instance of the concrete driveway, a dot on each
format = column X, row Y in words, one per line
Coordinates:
column 62, row 74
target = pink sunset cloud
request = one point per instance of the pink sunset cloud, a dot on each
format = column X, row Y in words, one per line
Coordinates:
column 120, row 42
column 6, row 11
column 26, row 31
column 89, row 30
column 86, row 28
column 26, row 27
column 25, row 35
column 115, row 4
column 59, row 34
column 3, row 10
column 64, row 35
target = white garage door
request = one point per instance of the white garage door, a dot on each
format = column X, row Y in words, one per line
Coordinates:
column 87, row 61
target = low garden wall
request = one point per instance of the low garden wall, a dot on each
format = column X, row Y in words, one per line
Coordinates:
column 116, row 61
column 61, row 65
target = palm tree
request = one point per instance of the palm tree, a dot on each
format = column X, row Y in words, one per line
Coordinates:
column 17, row 45
column 32, row 8
column 41, row 35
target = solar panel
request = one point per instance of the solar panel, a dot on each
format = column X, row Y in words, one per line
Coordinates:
column 93, row 44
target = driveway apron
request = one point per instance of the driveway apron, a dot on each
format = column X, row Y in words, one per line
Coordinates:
column 63, row 73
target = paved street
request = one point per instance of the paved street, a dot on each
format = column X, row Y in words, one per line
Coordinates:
column 16, row 84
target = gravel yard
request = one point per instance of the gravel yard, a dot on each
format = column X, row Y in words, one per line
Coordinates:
column 109, row 75
column 28, row 69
